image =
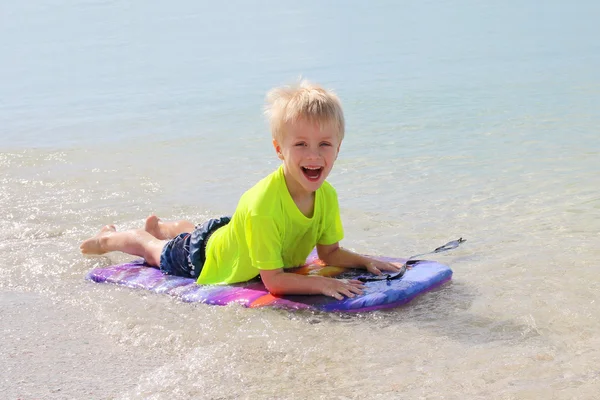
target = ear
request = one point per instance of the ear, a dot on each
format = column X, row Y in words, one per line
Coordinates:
column 277, row 149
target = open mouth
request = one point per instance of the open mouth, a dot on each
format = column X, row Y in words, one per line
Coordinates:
column 312, row 173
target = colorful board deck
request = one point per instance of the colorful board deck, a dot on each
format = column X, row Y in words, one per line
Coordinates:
column 422, row 277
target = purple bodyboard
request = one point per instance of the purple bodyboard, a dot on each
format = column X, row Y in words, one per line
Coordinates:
column 422, row 277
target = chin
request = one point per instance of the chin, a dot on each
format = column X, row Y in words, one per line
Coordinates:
column 313, row 186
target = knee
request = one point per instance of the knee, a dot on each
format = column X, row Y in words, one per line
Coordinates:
column 153, row 253
column 152, row 259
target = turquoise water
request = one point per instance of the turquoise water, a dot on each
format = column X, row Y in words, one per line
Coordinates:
column 463, row 119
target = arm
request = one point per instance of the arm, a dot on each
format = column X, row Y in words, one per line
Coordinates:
column 266, row 249
column 279, row 282
column 335, row 255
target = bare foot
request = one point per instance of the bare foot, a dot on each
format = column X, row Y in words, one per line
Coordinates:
column 93, row 245
column 153, row 227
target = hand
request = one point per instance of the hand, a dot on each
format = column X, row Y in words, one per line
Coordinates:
column 376, row 266
column 338, row 288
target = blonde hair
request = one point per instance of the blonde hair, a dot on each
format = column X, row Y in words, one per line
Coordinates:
column 307, row 101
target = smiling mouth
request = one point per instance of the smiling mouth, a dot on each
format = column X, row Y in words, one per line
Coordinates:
column 312, row 173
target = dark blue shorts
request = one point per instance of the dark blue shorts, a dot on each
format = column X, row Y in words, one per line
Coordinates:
column 184, row 255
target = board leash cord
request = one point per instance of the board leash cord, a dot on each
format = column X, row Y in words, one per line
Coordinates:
column 410, row 261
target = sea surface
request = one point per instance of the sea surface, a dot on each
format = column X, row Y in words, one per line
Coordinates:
column 465, row 119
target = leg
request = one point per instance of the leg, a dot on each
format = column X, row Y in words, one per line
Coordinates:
column 136, row 242
column 167, row 230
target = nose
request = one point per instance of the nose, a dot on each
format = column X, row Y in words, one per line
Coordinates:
column 314, row 152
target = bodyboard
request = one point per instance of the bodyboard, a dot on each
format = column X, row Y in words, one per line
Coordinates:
column 418, row 279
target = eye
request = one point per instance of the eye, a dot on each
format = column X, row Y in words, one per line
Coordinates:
column 300, row 144
column 325, row 144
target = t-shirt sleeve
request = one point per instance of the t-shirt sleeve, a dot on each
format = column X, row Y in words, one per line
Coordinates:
column 333, row 230
column 264, row 242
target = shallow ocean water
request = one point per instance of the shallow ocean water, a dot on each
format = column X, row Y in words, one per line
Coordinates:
column 463, row 119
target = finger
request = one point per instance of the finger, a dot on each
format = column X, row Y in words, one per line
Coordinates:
column 347, row 292
column 352, row 282
column 359, row 287
column 392, row 267
column 338, row 296
column 373, row 269
column 389, row 267
column 356, row 282
column 355, row 290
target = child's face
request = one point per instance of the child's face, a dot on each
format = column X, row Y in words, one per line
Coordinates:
column 308, row 152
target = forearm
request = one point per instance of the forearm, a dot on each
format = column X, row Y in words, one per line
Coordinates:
column 336, row 256
column 290, row 283
column 279, row 282
column 341, row 257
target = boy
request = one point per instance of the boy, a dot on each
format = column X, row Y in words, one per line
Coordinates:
column 276, row 223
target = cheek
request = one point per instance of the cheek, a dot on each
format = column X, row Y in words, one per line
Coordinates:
column 331, row 153
column 290, row 154
column 297, row 152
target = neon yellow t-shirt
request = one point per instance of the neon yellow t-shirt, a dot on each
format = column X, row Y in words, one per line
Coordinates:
column 268, row 231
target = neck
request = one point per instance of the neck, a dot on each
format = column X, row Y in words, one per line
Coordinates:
column 303, row 199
